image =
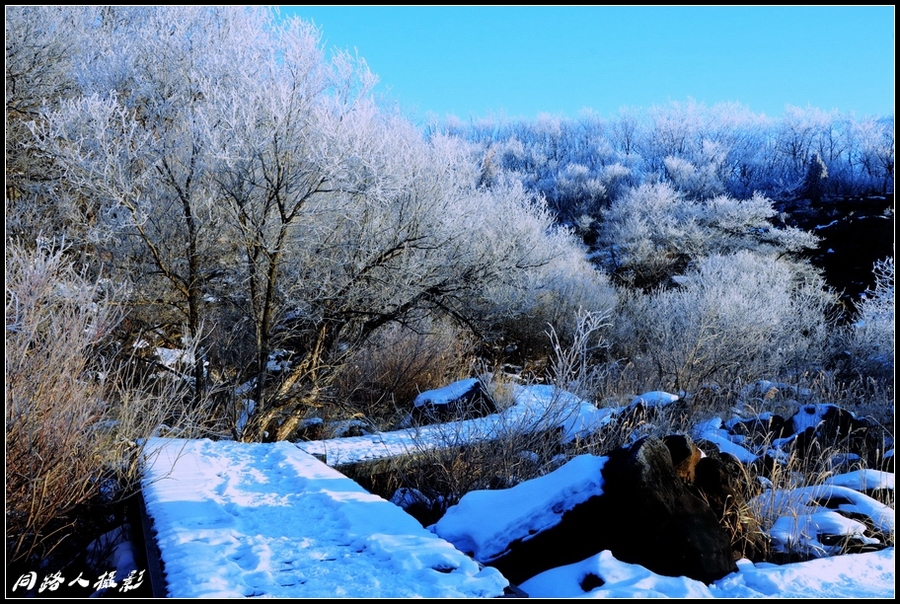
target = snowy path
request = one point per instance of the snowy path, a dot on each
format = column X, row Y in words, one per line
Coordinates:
column 536, row 408
column 243, row 520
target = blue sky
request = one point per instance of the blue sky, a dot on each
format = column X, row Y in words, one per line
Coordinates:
column 521, row 61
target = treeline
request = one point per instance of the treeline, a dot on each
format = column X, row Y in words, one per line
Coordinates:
column 213, row 229
column 580, row 165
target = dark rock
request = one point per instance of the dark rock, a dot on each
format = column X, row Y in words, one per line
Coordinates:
column 583, row 531
column 311, row 429
column 474, row 402
column 418, row 505
column 719, row 477
column 646, row 515
column 670, row 530
column 815, row 432
column 764, row 429
column 854, row 233
column 591, row 582
column 830, row 421
column 768, row 465
column 643, row 413
column 685, row 456
column 828, row 430
column 808, row 444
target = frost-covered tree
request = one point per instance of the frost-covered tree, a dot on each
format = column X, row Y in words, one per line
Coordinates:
column 283, row 142
column 135, row 147
column 674, row 130
column 871, row 336
column 406, row 234
column 624, row 131
column 872, row 153
column 653, row 232
column 584, row 193
column 703, row 151
column 814, row 184
column 248, row 187
column 43, row 44
column 730, row 317
column 702, row 177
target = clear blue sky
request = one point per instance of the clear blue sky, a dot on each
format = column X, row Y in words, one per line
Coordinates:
column 521, row 61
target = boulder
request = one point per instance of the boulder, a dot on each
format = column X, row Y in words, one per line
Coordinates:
column 646, row 515
column 719, row 478
column 816, row 432
column 763, row 429
column 464, row 399
column 685, row 456
column 661, row 522
column 827, row 431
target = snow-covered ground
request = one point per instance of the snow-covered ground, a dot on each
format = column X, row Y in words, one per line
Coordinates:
column 271, row 520
column 238, row 520
column 247, row 520
column 537, row 407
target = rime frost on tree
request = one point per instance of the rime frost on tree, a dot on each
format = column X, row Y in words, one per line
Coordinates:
column 873, row 333
column 814, row 182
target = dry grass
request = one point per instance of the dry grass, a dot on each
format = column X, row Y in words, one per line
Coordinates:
column 519, row 447
column 72, row 419
column 53, row 399
column 865, row 396
column 382, row 379
column 512, row 453
column 772, row 484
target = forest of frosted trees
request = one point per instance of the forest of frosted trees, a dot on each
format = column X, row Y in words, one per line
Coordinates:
column 213, row 229
column 581, row 165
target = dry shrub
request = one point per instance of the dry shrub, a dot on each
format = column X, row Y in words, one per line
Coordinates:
column 73, row 419
column 576, row 367
column 771, row 497
column 769, row 481
column 500, row 387
column 560, row 296
column 633, row 423
column 143, row 405
column 868, row 342
column 519, row 446
column 54, row 318
column 513, row 453
column 866, row 397
column 383, row 378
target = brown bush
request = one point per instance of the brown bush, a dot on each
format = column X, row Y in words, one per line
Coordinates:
column 73, row 413
column 54, row 403
column 382, row 379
